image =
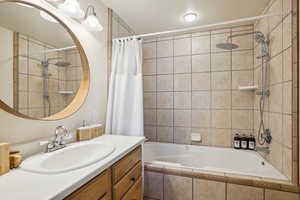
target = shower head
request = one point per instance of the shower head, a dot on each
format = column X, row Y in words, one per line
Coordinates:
column 227, row 46
column 62, row 64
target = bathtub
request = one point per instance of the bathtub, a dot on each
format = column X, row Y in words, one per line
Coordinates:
column 225, row 160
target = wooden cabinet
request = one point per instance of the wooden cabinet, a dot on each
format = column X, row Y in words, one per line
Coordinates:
column 97, row 188
column 123, row 181
column 127, row 177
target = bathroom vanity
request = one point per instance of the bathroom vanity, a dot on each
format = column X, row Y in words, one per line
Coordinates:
column 122, row 181
column 115, row 177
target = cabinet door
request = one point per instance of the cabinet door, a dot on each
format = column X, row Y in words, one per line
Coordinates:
column 97, row 188
column 125, row 164
column 135, row 192
column 127, row 181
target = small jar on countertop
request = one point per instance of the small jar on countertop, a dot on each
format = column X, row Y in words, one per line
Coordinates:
column 244, row 142
column 237, row 141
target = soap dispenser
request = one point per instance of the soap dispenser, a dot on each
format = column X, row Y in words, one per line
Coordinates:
column 244, row 142
column 252, row 142
column 237, row 141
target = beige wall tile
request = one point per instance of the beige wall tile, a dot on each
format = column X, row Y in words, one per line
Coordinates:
column 287, row 133
column 149, row 50
column 201, row 63
column 150, row 117
column 239, row 192
column 153, row 185
column 276, row 7
column 182, row 135
column 242, row 119
column 221, row 80
column 150, row 100
column 276, row 45
column 201, row 99
column 165, row 117
column 287, row 64
column 276, row 98
column 287, row 33
column 165, row 83
column 242, row 99
column 23, row 83
column 242, row 60
column 287, row 97
column 34, row 49
column 165, row 134
column 201, row 118
column 242, row 78
column 149, row 67
column 165, row 100
column 276, row 155
column 287, row 162
column 279, row 195
column 208, row 190
column 276, row 69
column 201, row 44
column 35, row 83
column 201, row 81
column 182, row 64
column 23, row 65
column 276, row 126
column 182, row 82
column 165, row 48
column 182, row 100
column 244, row 42
column 221, row 61
column 221, row 137
column 221, row 118
column 35, row 99
column 165, row 66
column 287, row 6
column 149, row 83
column 23, row 100
column 182, row 47
column 182, row 118
column 23, row 46
column 221, row 99
column 177, row 188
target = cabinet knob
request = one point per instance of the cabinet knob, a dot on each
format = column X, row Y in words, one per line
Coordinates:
column 133, row 179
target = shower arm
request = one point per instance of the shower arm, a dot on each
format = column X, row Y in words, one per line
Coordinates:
column 242, row 34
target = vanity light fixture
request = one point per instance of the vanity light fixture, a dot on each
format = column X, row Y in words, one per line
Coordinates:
column 48, row 17
column 190, row 17
column 91, row 21
column 72, row 9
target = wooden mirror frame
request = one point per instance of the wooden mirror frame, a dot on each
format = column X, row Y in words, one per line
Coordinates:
column 83, row 90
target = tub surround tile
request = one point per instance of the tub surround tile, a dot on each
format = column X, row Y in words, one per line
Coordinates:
column 208, row 190
column 182, row 100
column 182, row 47
column 149, row 67
column 177, row 188
column 165, row 66
column 278, row 195
column 182, row 64
column 164, row 100
column 201, row 44
column 165, row 48
column 153, row 183
column 165, row 83
column 182, row 82
column 165, row 134
column 201, row 63
column 182, row 135
column 149, row 50
column 238, row 192
column 165, row 117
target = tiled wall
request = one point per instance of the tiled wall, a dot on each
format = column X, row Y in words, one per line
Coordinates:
column 192, row 86
column 30, row 78
column 278, row 110
column 160, row 186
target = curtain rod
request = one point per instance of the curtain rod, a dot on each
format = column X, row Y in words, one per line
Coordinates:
column 203, row 26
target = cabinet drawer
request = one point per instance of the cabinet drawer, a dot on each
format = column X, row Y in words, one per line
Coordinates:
column 135, row 193
column 95, row 189
column 127, row 181
column 125, row 164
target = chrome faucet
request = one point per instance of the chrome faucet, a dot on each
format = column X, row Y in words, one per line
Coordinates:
column 61, row 133
column 265, row 150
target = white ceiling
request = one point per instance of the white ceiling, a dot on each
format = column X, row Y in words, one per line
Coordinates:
column 27, row 21
column 146, row 16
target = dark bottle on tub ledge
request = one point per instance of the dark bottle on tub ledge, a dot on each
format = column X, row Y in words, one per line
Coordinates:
column 244, row 142
column 252, row 142
column 237, row 141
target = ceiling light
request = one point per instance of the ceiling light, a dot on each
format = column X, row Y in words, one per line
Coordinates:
column 48, row 17
column 24, row 5
column 72, row 8
column 190, row 17
column 91, row 22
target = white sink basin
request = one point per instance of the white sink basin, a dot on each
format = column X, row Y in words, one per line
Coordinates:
column 72, row 157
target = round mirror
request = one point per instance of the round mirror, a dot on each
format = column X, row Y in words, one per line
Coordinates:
column 43, row 68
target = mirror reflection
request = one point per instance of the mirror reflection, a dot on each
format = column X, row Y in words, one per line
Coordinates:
column 40, row 66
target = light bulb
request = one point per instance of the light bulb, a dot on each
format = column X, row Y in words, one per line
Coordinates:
column 48, row 17
column 92, row 23
column 190, row 17
column 72, row 8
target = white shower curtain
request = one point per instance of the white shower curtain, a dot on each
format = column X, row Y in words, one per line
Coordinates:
column 125, row 101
